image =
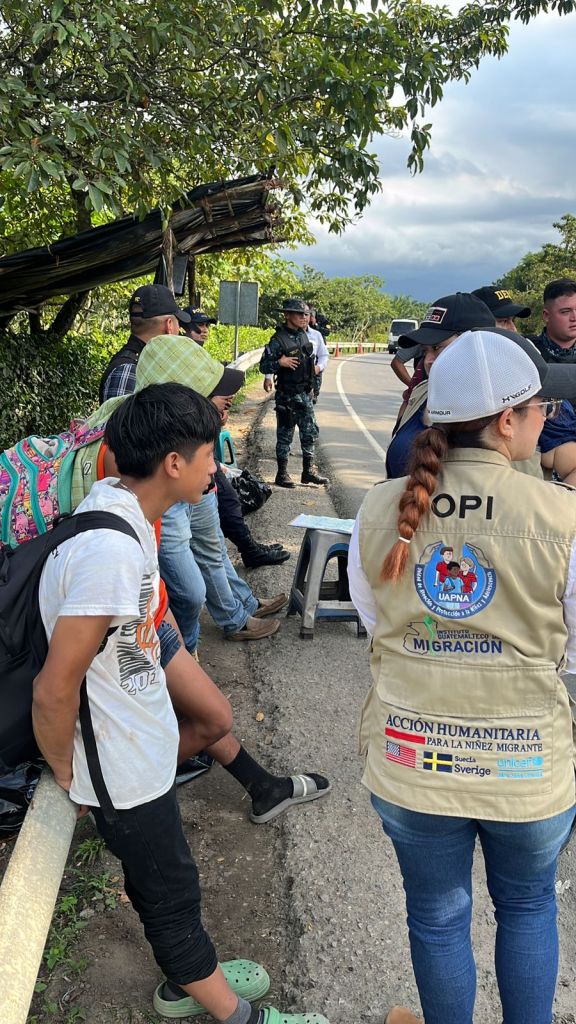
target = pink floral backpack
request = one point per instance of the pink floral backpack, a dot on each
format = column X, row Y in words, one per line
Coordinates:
column 36, row 481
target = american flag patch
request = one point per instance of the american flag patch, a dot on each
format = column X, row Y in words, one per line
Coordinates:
column 401, row 755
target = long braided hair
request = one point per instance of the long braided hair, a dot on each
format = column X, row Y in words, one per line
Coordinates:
column 429, row 449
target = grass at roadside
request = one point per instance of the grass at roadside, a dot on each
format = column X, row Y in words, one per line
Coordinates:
column 88, row 889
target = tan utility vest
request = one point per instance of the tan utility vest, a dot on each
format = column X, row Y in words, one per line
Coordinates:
column 467, row 714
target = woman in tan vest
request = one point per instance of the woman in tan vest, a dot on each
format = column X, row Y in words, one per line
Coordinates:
column 465, row 575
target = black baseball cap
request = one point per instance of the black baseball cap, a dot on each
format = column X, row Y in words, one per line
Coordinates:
column 558, row 380
column 294, row 306
column 452, row 314
column 197, row 316
column 230, row 382
column 499, row 302
column 155, row 300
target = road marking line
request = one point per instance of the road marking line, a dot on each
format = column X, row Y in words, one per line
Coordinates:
column 354, row 415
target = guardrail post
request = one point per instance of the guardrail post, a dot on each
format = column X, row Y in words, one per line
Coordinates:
column 28, row 894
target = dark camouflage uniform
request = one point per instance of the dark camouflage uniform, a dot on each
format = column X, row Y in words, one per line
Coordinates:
column 291, row 412
column 294, row 390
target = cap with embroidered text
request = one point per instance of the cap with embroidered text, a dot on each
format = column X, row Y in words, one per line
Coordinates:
column 197, row 316
column 449, row 315
column 500, row 302
column 479, row 375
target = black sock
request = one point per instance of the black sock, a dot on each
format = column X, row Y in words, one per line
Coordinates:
column 266, row 789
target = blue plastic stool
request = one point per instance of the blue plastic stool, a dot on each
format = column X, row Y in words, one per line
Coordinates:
column 224, row 450
column 312, row 597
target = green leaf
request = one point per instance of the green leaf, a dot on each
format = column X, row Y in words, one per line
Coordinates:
column 33, row 180
column 50, row 167
column 96, row 197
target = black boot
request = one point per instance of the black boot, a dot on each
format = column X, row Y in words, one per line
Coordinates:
column 308, row 474
column 254, row 554
column 282, row 478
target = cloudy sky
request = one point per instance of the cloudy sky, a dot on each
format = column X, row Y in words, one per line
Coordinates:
column 500, row 170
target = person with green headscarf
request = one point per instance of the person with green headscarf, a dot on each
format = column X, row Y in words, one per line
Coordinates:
column 193, row 530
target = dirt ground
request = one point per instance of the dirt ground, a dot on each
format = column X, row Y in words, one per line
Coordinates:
column 243, row 902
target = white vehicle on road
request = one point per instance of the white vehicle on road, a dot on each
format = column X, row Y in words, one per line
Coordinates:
column 398, row 327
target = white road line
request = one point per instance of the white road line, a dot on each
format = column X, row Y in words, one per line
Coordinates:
column 354, row 415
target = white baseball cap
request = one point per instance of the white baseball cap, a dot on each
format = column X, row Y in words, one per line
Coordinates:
column 480, row 374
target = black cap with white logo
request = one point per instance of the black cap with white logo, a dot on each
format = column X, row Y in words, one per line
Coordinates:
column 453, row 314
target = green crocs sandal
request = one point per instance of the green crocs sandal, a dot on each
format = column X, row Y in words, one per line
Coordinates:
column 246, row 978
column 271, row 1016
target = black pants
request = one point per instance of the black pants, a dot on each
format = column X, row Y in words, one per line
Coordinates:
column 161, row 879
column 230, row 511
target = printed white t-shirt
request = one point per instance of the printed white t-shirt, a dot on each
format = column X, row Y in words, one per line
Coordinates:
column 103, row 572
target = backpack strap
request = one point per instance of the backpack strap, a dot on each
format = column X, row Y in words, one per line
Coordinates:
column 91, row 751
column 65, row 529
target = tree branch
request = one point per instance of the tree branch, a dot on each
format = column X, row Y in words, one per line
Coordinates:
column 66, row 315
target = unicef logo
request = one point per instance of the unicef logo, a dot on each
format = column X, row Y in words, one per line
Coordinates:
column 454, row 583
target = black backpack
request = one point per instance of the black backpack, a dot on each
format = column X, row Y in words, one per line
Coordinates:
column 24, row 645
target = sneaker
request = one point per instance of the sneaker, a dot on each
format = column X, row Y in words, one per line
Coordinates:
column 270, row 605
column 255, row 629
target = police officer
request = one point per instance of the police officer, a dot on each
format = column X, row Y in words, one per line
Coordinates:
column 199, row 326
column 289, row 355
column 467, row 729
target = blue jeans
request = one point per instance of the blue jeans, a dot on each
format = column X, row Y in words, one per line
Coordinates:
column 195, row 566
column 228, row 598
column 183, row 579
column 435, row 854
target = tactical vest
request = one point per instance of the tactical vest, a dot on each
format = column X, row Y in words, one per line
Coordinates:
column 467, row 714
column 129, row 353
column 295, row 343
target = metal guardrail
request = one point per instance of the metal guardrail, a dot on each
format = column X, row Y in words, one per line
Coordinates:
column 360, row 346
column 244, row 362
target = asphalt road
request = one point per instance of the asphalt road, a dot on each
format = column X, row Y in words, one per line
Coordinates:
column 357, row 410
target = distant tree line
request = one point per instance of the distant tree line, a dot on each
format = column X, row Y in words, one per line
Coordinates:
column 528, row 278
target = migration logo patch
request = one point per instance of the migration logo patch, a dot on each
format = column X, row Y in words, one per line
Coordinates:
column 437, row 761
column 455, row 583
column 400, row 755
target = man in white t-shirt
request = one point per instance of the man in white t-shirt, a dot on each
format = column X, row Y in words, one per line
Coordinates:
column 98, row 596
